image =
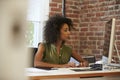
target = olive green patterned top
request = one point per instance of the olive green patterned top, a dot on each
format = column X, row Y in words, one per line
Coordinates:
column 51, row 56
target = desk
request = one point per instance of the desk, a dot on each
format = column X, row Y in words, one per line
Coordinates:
column 38, row 74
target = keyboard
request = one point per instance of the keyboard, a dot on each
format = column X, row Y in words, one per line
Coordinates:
column 96, row 66
column 92, row 67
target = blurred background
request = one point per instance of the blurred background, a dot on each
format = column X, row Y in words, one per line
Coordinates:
column 22, row 21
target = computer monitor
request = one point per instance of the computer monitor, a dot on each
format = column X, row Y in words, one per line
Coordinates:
column 109, row 44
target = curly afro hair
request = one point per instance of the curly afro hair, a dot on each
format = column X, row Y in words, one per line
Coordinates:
column 52, row 28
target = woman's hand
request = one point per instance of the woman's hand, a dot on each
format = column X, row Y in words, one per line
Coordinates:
column 83, row 64
column 70, row 64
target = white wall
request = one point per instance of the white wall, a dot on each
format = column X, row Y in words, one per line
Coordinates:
column 13, row 52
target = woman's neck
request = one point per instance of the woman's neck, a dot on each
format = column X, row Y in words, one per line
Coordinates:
column 58, row 44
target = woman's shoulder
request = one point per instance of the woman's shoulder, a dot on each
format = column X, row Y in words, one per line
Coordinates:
column 67, row 47
column 44, row 44
column 41, row 44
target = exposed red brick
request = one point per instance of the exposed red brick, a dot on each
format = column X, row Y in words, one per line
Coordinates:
column 53, row 4
column 90, row 15
column 84, row 29
column 55, row 9
column 100, row 38
column 81, row 33
column 57, row 1
column 83, row 38
column 100, row 14
column 99, row 33
column 93, row 29
column 90, row 34
column 84, row 24
column 118, row 37
column 93, row 38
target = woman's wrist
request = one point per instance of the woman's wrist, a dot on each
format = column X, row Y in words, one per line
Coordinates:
column 83, row 60
column 83, row 63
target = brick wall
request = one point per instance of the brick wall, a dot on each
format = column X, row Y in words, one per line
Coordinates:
column 89, row 18
column 93, row 17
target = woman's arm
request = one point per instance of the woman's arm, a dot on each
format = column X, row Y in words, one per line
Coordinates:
column 82, row 61
column 39, row 63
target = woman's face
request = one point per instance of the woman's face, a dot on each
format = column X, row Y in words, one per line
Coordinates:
column 64, row 32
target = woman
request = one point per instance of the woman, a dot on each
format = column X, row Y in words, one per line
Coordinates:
column 53, row 53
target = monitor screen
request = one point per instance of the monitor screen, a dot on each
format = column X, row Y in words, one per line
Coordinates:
column 109, row 41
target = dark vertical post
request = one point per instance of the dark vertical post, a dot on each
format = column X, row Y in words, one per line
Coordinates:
column 63, row 8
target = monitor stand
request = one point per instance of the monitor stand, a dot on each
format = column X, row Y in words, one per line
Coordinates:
column 118, row 63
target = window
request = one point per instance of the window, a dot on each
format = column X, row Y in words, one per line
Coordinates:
column 38, row 11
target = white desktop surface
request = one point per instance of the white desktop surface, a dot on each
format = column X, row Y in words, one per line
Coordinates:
column 63, row 71
column 67, row 74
